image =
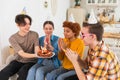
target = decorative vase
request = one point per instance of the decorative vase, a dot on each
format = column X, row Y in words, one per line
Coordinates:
column 77, row 2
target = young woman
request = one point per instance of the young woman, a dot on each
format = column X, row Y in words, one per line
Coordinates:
column 45, row 65
column 71, row 40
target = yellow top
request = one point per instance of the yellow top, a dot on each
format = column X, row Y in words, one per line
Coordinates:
column 75, row 45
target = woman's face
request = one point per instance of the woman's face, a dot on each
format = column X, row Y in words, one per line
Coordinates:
column 68, row 33
column 48, row 29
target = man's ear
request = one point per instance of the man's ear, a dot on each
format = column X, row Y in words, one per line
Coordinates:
column 17, row 24
column 94, row 36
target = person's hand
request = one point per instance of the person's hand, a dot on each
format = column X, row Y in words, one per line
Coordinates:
column 72, row 55
column 50, row 47
column 62, row 45
column 47, row 40
column 47, row 43
column 36, row 54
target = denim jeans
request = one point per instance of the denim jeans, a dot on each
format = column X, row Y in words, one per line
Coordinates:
column 32, row 72
column 39, row 71
column 59, row 74
column 66, row 74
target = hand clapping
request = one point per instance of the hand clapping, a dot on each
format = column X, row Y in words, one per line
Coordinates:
column 62, row 45
column 72, row 55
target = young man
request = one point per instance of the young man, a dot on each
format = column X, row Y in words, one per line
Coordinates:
column 25, row 44
column 101, row 63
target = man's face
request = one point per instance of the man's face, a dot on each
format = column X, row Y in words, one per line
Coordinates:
column 25, row 28
column 86, row 36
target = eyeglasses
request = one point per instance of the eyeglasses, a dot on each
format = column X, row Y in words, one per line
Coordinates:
column 82, row 35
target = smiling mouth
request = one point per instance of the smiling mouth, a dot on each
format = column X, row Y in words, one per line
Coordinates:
column 27, row 29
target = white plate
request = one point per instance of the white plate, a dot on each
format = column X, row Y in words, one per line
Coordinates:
column 47, row 57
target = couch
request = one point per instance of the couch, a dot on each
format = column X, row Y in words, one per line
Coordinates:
column 8, row 60
column 11, row 57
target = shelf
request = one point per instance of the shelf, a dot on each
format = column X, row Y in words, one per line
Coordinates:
column 102, row 2
column 111, row 35
column 110, row 22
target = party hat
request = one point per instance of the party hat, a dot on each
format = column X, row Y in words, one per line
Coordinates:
column 92, row 19
column 71, row 18
column 23, row 11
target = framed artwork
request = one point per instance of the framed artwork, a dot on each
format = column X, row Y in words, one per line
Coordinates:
column 102, row 2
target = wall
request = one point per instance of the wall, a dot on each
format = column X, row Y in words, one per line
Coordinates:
column 10, row 8
column 0, row 48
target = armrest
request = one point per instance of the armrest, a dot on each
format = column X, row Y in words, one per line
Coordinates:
column 10, row 58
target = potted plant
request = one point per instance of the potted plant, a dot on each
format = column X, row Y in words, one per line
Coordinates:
column 77, row 3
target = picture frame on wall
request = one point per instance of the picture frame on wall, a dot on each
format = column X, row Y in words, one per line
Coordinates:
column 112, row 1
column 102, row 2
column 91, row 1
